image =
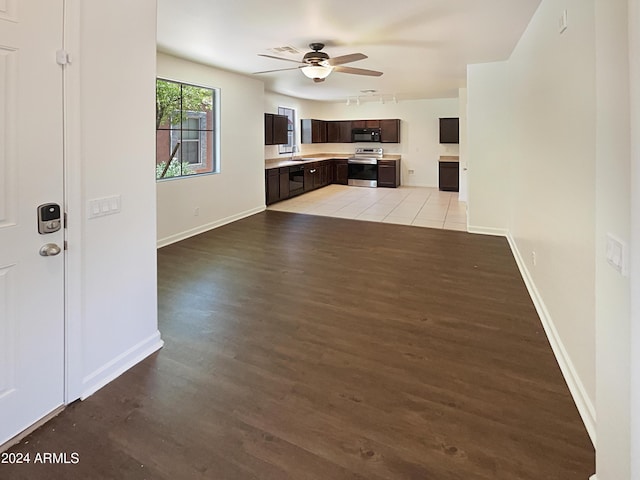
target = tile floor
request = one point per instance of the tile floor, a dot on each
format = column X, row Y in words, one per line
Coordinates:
column 418, row 206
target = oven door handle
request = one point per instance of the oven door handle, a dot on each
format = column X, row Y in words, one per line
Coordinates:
column 362, row 162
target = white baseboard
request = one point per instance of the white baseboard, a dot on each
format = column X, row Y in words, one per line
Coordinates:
column 163, row 242
column 578, row 392
column 496, row 232
column 105, row 374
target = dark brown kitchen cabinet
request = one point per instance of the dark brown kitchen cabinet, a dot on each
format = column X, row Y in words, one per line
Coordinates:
column 275, row 129
column 448, row 176
column 389, row 173
column 310, row 176
column 365, row 123
column 341, row 175
column 313, row 131
column 321, row 175
column 284, row 183
column 280, row 129
column 316, row 175
column 268, row 129
column 339, row 131
column 309, row 172
column 277, row 184
column 390, row 131
column 272, row 185
column 449, row 130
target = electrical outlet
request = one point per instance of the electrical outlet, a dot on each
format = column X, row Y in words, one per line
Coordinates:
column 534, row 260
column 411, row 172
column 196, row 211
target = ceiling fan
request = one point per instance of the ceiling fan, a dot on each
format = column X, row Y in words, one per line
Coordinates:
column 318, row 65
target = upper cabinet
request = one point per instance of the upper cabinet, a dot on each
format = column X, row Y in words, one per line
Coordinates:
column 390, row 131
column 275, row 129
column 449, row 130
column 339, row 131
column 365, row 123
column 313, row 131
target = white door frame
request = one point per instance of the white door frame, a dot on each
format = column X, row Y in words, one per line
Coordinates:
column 73, row 167
column 634, row 274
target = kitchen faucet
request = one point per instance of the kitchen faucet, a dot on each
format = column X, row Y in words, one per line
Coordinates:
column 294, row 149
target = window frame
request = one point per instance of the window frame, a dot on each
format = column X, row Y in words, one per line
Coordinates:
column 214, row 130
column 290, row 147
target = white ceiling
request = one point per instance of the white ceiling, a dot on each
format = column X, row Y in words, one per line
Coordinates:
column 422, row 46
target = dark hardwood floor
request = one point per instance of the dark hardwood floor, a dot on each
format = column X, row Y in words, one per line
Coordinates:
column 304, row 347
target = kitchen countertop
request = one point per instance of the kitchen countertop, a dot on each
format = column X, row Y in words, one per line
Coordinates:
column 449, row 158
column 270, row 163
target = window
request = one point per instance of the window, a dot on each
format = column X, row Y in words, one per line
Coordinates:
column 192, row 136
column 291, row 128
column 187, row 141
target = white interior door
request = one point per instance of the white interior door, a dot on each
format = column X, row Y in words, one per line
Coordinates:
column 31, row 174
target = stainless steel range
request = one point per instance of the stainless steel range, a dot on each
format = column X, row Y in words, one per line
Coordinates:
column 363, row 167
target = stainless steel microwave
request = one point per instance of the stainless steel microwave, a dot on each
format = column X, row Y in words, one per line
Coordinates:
column 365, row 135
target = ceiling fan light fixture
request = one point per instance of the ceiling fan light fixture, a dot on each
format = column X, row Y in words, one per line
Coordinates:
column 316, row 71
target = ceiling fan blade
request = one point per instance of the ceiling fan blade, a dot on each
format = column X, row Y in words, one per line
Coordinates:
column 278, row 70
column 353, row 57
column 357, row 71
column 279, row 58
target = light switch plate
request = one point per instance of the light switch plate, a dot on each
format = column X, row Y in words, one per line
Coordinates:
column 563, row 22
column 99, row 207
column 617, row 256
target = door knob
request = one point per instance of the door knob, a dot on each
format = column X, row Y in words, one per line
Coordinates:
column 49, row 250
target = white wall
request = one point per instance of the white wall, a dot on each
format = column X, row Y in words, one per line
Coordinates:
column 634, row 66
column 238, row 190
column 543, row 98
column 553, row 115
column 110, row 150
column 568, row 160
column 613, row 213
column 488, row 141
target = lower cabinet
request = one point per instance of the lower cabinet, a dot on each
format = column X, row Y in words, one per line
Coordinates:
column 341, row 176
column 389, row 173
column 284, row 183
column 323, row 173
column 448, row 176
column 272, row 185
column 309, row 174
column 316, row 175
column 276, row 184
